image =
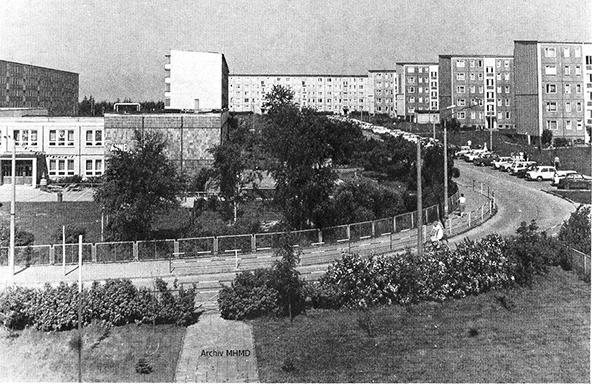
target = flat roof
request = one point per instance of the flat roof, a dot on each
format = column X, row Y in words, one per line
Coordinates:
column 381, row 70
column 39, row 66
column 416, row 63
column 462, row 55
column 292, row 75
column 552, row 42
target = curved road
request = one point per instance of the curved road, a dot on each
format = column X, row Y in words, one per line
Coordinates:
column 517, row 199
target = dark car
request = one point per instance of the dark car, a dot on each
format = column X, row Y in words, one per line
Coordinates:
column 575, row 181
column 485, row 160
column 522, row 172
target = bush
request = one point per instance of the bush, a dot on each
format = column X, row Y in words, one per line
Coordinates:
column 546, row 137
column 117, row 302
column 577, row 231
column 72, row 232
column 529, row 253
column 562, row 142
column 277, row 291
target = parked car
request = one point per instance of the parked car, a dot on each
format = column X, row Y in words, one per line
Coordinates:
column 505, row 165
column 522, row 172
column 517, row 165
column 540, row 173
column 461, row 151
column 559, row 175
column 485, row 160
column 575, row 181
column 501, row 160
column 469, row 157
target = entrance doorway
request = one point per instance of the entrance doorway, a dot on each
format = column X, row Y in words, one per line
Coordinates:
column 24, row 172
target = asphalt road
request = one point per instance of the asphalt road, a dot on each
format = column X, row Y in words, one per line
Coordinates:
column 517, row 199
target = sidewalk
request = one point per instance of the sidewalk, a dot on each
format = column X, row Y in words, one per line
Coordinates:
column 217, row 351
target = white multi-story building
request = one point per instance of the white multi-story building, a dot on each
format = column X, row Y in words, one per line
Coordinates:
column 339, row 94
column 196, row 81
column 382, row 90
column 418, row 91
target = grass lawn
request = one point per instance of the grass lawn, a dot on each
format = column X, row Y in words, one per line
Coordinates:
column 543, row 337
column 107, row 356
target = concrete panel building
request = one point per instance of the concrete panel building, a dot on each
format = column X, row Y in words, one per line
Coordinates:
column 339, row 94
column 418, row 91
column 481, row 87
column 196, row 81
column 188, row 135
column 30, row 86
column 382, row 90
column 553, row 88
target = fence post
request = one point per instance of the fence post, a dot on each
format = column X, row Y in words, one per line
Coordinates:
column 136, row 255
column 412, row 220
column 372, row 228
column 253, row 243
column 216, row 246
column 348, row 232
column 94, row 254
column 51, row 254
column 426, row 215
column 176, row 246
column 424, row 233
column 482, row 213
column 469, row 219
column 394, row 224
column 320, row 234
column 481, row 193
column 450, row 226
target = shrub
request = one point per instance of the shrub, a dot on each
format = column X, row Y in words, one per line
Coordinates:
column 117, row 302
column 72, row 232
column 546, row 137
column 577, row 231
column 561, row 142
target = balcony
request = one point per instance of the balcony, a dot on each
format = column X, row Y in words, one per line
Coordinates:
column 168, row 66
column 167, row 80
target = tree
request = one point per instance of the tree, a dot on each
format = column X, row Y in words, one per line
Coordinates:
column 296, row 140
column 279, row 97
column 546, row 137
column 577, row 231
column 138, row 184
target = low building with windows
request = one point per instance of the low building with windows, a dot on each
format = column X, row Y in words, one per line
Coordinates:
column 51, row 147
column 339, row 94
column 553, row 88
column 418, row 91
column 481, row 89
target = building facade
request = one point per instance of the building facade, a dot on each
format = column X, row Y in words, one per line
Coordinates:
column 478, row 90
column 381, row 91
column 196, row 81
column 189, row 136
column 30, row 86
column 51, row 147
column 339, row 94
column 553, row 88
column 418, row 91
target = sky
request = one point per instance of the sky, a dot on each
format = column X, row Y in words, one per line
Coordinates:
column 118, row 47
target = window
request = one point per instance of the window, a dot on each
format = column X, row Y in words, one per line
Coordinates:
column 499, row 89
column 578, row 70
column 420, row 89
column 579, row 106
column 568, row 106
column 472, row 88
column 507, row 76
column 588, row 60
column 567, row 88
column 489, row 108
column 411, row 89
column 472, row 76
column 420, row 99
column 507, row 89
column 472, row 115
column 489, row 82
column 507, row 102
column 461, row 115
column 25, row 137
column 551, row 124
column 550, row 88
column 499, row 115
column 506, row 63
column 460, row 89
column 480, row 89
column 411, row 99
column 579, row 125
column 460, row 76
column 499, row 76
column 473, row 101
column 472, row 63
column 61, row 137
column 567, row 70
column 578, row 88
column 577, row 52
column 550, row 52
column 568, row 125
column 462, row 102
column 480, row 76
column 551, row 106
column 507, row 115
column 499, row 102
column 410, row 69
column 566, row 53
column 460, row 63
column 489, row 95
column 61, row 167
column 550, row 70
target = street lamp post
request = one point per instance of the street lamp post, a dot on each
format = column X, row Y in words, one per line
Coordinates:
column 451, row 107
column 11, row 245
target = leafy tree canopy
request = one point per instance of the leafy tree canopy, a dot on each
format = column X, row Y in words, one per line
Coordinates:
column 138, row 184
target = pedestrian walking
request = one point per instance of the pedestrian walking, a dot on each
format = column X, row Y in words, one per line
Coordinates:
column 462, row 202
column 556, row 162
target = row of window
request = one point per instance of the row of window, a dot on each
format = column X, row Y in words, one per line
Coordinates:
column 411, row 69
column 473, row 63
column 480, row 115
column 553, row 124
column 551, row 51
column 66, row 167
column 461, row 76
column 551, row 106
column 499, row 89
column 551, row 69
column 29, row 137
column 551, row 88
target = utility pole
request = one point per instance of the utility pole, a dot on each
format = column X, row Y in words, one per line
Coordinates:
column 419, row 203
column 445, row 171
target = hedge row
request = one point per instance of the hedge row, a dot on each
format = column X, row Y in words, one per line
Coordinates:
column 117, row 302
column 474, row 267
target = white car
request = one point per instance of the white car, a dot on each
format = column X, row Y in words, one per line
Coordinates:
column 560, row 175
column 540, row 173
column 462, row 151
column 502, row 161
column 469, row 157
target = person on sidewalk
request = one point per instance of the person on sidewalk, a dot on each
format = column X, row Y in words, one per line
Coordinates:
column 462, row 202
column 556, row 163
column 437, row 234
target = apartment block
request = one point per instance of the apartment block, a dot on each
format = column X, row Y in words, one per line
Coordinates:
column 339, row 94
column 553, row 88
column 418, row 91
column 478, row 90
column 381, row 91
column 30, row 86
column 196, row 81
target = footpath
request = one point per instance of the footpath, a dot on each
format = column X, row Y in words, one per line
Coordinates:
column 214, row 349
